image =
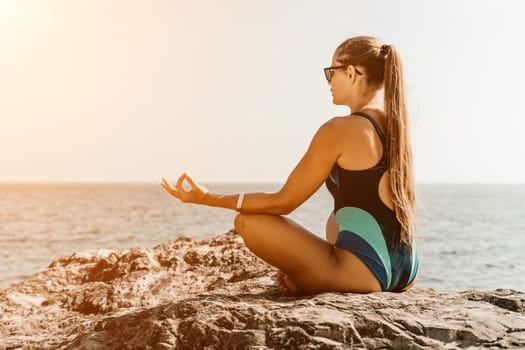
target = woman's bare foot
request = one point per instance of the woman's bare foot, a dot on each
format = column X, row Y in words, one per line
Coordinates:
column 286, row 285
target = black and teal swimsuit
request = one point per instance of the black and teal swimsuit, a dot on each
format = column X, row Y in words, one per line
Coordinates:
column 367, row 227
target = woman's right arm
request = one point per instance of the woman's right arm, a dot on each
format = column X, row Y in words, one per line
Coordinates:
column 306, row 178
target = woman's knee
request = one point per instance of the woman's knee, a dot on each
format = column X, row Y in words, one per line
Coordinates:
column 244, row 225
column 251, row 224
column 240, row 222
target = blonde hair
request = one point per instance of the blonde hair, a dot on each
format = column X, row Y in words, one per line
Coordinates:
column 382, row 65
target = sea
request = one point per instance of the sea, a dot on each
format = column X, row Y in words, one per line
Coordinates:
column 468, row 235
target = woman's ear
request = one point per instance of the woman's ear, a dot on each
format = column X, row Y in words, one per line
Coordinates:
column 350, row 71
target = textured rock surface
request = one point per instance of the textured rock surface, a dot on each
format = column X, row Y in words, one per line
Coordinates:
column 215, row 294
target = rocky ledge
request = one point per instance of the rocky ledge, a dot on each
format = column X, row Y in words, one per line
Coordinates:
column 215, row 294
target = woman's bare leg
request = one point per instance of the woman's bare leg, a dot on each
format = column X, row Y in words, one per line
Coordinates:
column 309, row 262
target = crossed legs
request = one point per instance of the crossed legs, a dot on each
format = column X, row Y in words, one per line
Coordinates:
column 308, row 263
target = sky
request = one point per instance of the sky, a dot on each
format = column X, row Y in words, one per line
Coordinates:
column 233, row 90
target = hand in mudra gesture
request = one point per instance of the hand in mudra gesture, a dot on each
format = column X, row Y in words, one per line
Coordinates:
column 197, row 194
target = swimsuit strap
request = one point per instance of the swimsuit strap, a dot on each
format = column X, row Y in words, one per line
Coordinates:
column 376, row 126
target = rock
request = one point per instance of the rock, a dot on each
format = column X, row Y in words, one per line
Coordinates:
column 215, row 294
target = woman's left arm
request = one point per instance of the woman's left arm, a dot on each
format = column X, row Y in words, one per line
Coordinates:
column 307, row 176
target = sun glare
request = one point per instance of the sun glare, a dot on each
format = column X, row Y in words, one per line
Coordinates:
column 15, row 14
column 9, row 11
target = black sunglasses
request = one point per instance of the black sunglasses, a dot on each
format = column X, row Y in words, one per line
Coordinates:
column 329, row 73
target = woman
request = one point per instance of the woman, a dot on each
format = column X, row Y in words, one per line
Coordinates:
column 365, row 160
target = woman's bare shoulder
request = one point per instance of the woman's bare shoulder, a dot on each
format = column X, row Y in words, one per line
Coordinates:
column 339, row 122
column 336, row 127
column 348, row 125
column 353, row 125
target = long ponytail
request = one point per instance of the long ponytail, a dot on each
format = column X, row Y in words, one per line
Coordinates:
column 398, row 143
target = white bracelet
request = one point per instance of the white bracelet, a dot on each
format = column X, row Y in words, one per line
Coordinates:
column 239, row 201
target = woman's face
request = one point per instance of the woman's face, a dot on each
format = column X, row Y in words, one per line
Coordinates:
column 345, row 84
column 340, row 84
